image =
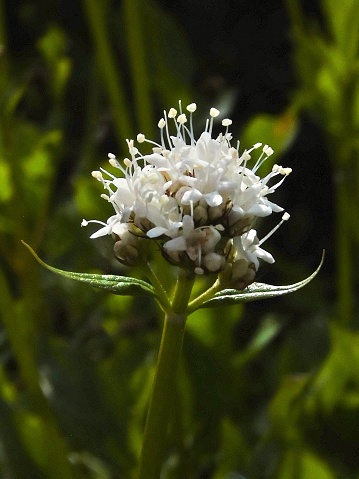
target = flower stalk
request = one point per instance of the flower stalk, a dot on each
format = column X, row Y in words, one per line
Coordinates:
column 155, row 434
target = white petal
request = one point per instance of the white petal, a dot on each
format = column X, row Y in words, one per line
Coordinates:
column 156, row 232
column 259, row 210
column 106, row 230
column 213, row 199
column 264, row 255
column 190, row 196
column 176, row 244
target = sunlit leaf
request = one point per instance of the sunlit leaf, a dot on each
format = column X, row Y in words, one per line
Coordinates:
column 121, row 285
column 6, row 190
column 303, row 465
column 257, row 291
column 276, row 130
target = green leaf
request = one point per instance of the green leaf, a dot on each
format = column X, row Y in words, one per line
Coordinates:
column 114, row 284
column 256, row 291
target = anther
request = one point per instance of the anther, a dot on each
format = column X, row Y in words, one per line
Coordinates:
column 268, row 150
column 191, row 107
column 97, row 175
column 182, row 118
column 285, row 216
column 214, row 112
column 127, row 162
column 172, row 113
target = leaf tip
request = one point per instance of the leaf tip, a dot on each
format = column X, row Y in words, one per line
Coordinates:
column 33, row 253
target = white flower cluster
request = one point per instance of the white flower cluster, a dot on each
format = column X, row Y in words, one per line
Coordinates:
column 198, row 199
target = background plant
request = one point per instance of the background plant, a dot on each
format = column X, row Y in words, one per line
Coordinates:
column 259, row 394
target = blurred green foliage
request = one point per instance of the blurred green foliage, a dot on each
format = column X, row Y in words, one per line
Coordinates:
column 264, row 392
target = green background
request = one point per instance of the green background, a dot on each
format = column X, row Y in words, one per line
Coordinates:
column 266, row 390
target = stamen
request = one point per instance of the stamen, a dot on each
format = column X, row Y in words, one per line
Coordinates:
column 192, row 107
column 226, row 122
column 85, row 223
column 245, row 156
column 141, row 138
column 107, row 173
column 181, row 119
column 97, row 175
column 127, row 162
column 254, row 147
column 161, row 125
column 167, row 132
column 267, row 150
column 213, row 113
column 285, row 217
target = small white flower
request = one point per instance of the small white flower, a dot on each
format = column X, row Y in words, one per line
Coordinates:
column 191, row 196
column 247, row 247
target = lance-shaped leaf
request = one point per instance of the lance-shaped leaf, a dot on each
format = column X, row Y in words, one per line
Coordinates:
column 121, row 285
column 256, row 291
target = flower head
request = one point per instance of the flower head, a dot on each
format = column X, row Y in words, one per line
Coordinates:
column 198, row 199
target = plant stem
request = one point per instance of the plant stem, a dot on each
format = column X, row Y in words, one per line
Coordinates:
column 161, row 293
column 136, row 46
column 344, row 253
column 196, row 303
column 96, row 14
column 155, row 435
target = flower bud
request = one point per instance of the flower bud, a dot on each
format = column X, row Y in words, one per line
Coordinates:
column 243, row 273
column 213, row 262
column 127, row 249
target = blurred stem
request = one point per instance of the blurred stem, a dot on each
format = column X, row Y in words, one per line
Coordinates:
column 4, row 67
column 155, row 435
column 345, row 157
column 137, row 55
column 344, row 250
column 18, row 318
column 96, row 14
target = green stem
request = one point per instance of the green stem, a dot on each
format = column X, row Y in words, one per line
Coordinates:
column 96, row 13
column 133, row 10
column 155, row 435
column 4, row 67
column 344, row 253
column 196, row 303
column 156, row 283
